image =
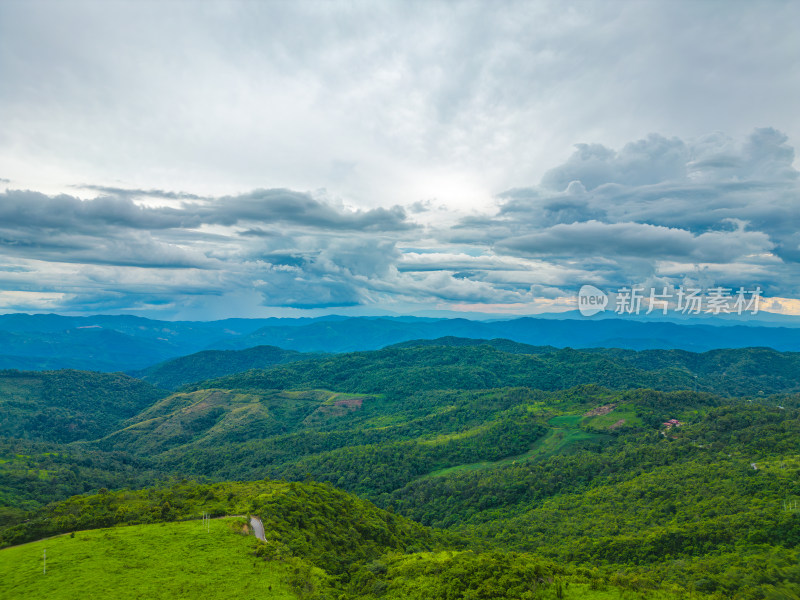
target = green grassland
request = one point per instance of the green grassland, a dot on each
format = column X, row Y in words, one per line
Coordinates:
column 320, row 544
column 190, row 560
column 164, row 560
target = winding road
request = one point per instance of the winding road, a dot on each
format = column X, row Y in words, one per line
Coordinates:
column 258, row 528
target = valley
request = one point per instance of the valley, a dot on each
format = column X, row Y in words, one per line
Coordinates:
column 531, row 472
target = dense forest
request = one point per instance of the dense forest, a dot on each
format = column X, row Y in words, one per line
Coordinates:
column 481, row 470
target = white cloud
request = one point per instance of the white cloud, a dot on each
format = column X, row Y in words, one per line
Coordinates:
column 263, row 152
column 734, row 225
column 387, row 104
column 639, row 240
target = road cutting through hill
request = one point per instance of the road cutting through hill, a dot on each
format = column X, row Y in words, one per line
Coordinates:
column 258, row 528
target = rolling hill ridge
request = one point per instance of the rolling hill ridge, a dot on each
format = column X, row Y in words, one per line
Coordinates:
column 678, row 475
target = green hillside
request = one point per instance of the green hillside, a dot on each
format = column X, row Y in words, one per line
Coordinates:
column 167, row 560
column 374, row 445
column 33, row 474
column 208, row 418
column 406, row 370
column 172, row 374
column 320, row 543
column 65, row 406
column 532, row 481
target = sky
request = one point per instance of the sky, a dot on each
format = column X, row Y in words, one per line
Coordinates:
column 205, row 160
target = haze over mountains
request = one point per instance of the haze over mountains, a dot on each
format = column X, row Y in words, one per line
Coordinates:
column 127, row 343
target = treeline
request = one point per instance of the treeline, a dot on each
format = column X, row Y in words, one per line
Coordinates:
column 374, row 470
column 403, row 371
column 310, row 519
column 172, row 374
column 67, row 406
column 34, row 474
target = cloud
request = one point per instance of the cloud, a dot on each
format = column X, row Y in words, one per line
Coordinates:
column 705, row 204
column 532, row 205
column 34, row 210
column 334, row 153
column 296, row 208
column 134, row 193
column 660, row 211
column 648, row 161
column 639, row 240
column 388, row 106
column 29, row 209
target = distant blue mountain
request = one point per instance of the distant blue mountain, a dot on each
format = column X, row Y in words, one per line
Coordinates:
column 126, row 343
column 373, row 333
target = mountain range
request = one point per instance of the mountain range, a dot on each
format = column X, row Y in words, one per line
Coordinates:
column 131, row 344
column 476, row 469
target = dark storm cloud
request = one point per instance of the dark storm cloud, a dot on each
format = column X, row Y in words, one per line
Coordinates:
column 297, row 208
column 121, row 249
column 570, row 206
column 33, row 210
column 294, row 250
column 757, row 185
column 29, row 209
column 639, row 163
column 115, row 230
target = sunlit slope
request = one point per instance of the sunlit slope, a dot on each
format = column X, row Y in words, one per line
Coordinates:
column 208, row 418
column 320, row 544
column 164, row 560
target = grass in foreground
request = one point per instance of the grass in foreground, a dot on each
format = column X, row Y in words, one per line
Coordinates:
column 166, row 560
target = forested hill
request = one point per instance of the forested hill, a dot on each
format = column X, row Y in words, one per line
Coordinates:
column 498, row 343
column 174, row 373
column 65, row 406
column 405, row 370
column 321, row 544
column 664, row 483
